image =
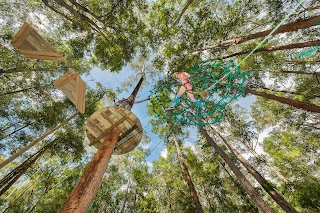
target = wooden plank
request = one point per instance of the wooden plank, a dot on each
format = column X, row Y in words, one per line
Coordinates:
column 93, row 129
column 40, row 43
column 107, row 131
column 81, row 90
column 65, row 78
column 127, row 132
column 99, row 125
column 106, row 123
column 118, row 152
column 23, row 33
column 67, row 90
column 30, row 43
column 73, row 87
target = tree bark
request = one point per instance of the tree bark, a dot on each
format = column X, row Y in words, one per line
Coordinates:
column 297, row 104
column 271, row 49
column 4, row 210
column 286, row 91
column 46, row 2
column 169, row 200
column 85, row 10
column 138, row 102
column 17, row 154
column 83, row 193
column 38, row 200
column 275, row 170
column 263, row 182
column 15, row 70
column 176, row 21
column 125, row 196
column 15, row 174
column 187, row 177
column 295, row 72
column 299, row 24
column 300, row 62
column 15, row 131
column 135, row 200
column 256, row 198
column 91, row 23
column 17, row 91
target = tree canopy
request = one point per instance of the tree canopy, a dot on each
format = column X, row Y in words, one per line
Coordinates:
column 262, row 154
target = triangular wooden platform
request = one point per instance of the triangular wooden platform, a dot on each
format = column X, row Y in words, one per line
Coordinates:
column 32, row 45
column 73, row 87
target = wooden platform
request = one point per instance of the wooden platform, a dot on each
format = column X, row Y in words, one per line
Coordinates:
column 100, row 124
column 73, row 87
column 32, row 45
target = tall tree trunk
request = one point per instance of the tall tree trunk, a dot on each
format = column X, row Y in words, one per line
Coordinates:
column 294, row 72
column 301, row 62
column 176, row 21
column 138, row 102
column 187, row 177
column 15, row 131
column 204, row 188
column 294, row 103
column 80, row 7
column 47, row 189
column 17, row 91
column 14, row 175
column 83, row 193
column 263, row 182
column 271, row 49
column 169, row 200
column 135, row 200
column 83, row 17
column 256, row 198
column 275, row 170
column 4, row 210
column 16, row 70
column 21, row 151
column 286, row 91
column 299, row 24
column 125, row 196
column 46, row 2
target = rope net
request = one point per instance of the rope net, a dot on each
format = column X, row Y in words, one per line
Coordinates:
column 215, row 84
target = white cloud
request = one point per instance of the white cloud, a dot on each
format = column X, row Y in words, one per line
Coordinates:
column 262, row 135
column 191, row 145
column 164, row 153
column 150, row 166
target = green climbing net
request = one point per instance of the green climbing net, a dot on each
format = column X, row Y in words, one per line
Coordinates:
column 222, row 82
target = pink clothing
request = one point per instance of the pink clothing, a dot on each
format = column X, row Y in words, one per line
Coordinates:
column 186, row 85
column 184, row 77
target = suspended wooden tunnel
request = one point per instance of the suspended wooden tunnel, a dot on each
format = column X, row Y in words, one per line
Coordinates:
column 100, row 124
column 31, row 44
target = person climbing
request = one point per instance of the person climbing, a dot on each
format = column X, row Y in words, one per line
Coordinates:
column 183, row 78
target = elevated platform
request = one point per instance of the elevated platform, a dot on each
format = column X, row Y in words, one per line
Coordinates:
column 100, row 124
column 31, row 44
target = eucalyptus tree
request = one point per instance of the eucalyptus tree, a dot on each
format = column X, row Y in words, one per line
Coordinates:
column 217, row 186
column 110, row 32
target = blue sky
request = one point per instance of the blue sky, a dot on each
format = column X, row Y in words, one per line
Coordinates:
column 114, row 80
